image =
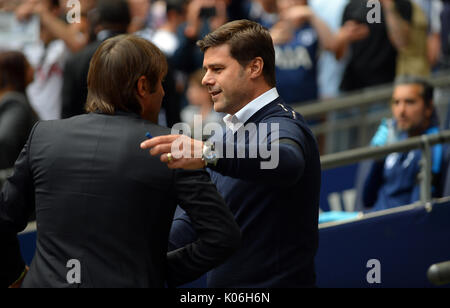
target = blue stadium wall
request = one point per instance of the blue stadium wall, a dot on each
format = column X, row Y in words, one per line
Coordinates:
column 405, row 243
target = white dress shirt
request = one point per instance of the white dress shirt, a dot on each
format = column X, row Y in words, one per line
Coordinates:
column 234, row 122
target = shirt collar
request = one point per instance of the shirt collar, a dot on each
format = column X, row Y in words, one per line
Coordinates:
column 234, row 122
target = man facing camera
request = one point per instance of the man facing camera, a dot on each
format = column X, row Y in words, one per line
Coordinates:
column 276, row 202
column 392, row 182
column 103, row 207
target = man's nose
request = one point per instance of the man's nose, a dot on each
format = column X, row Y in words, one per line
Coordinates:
column 208, row 80
column 401, row 108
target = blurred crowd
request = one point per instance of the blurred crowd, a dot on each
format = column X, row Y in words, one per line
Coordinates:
column 323, row 49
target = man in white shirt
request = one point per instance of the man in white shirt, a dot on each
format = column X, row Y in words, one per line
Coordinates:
column 48, row 58
column 274, row 198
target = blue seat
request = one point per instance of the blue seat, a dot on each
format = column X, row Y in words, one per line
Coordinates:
column 361, row 174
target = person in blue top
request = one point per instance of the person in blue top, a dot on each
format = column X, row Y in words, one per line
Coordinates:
column 299, row 35
column 393, row 181
column 275, row 197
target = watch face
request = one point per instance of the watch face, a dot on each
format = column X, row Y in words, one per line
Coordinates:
column 208, row 153
column 212, row 156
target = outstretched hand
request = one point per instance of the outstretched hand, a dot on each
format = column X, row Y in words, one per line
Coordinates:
column 177, row 151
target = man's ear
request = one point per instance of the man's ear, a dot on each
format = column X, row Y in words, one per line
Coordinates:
column 142, row 87
column 256, row 67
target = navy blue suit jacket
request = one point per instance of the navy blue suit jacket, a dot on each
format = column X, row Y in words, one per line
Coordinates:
column 276, row 209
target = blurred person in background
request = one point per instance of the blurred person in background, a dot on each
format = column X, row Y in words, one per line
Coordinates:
column 200, row 104
column 166, row 38
column 445, row 35
column 9, row 5
column 202, row 17
column 369, row 40
column 264, row 12
column 140, row 12
column 16, row 115
column 108, row 19
column 310, row 17
column 444, row 61
column 372, row 47
column 413, row 53
column 74, row 32
column 238, row 9
column 48, row 58
column 392, row 182
column 209, row 13
column 299, row 36
column 330, row 69
column 432, row 10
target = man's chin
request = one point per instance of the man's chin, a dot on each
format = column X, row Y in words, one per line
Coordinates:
column 403, row 127
column 218, row 107
column 410, row 130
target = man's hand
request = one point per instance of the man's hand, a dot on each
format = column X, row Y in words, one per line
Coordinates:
column 26, row 9
column 298, row 14
column 399, row 29
column 281, row 32
column 352, row 31
column 177, row 151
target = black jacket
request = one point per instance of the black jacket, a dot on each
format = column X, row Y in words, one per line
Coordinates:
column 104, row 202
column 16, row 121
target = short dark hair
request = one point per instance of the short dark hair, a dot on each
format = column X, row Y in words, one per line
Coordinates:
column 13, row 68
column 114, row 72
column 427, row 87
column 247, row 40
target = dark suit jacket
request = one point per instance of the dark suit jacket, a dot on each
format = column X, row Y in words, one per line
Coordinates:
column 17, row 118
column 106, row 203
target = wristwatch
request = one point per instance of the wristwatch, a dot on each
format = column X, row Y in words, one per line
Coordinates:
column 209, row 155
